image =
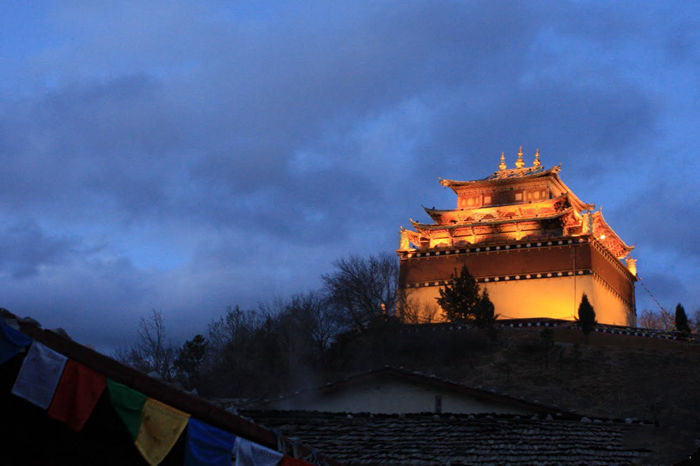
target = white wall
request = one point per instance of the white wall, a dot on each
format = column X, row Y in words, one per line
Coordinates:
column 387, row 396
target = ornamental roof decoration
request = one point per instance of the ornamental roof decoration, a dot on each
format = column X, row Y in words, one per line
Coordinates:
column 504, row 172
column 520, row 168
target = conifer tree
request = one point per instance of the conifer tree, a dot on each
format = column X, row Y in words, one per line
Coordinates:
column 586, row 316
column 484, row 315
column 189, row 361
column 460, row 297
column 682, row 320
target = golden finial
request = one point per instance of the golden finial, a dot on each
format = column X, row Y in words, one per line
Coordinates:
column 502, row 166
column 537, row 163
column 519, row 163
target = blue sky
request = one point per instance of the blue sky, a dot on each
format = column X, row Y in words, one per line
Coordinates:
column 187, row 156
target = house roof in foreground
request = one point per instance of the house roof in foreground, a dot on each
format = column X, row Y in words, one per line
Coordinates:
column 461, row 439
column 414, row 377
column 551, row 436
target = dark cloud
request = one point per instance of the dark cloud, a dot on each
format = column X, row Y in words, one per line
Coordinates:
column 661, row 290
column 198, row 155
column 661, row 218
column 25, row 248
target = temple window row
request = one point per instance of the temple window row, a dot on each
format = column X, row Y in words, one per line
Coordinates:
column 503, row 197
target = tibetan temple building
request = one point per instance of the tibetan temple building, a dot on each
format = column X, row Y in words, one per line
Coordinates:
column 529, row 240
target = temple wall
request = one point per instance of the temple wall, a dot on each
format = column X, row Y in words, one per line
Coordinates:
column 612, row 272
column 512, row 261
column 556, row 297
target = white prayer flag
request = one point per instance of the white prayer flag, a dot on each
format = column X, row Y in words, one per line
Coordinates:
column 251, row 454
column 40, row 372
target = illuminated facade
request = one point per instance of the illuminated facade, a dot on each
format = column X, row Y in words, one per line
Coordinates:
column 528, row 240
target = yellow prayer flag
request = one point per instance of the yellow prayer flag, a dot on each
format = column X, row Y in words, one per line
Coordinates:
column 161, row 426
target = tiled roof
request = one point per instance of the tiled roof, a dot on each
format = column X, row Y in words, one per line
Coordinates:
column 458, row 439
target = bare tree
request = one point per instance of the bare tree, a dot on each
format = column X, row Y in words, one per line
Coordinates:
column 312, row 317
column 152, row 352
column 695, row 322
column 240, row 354
column 233, row 325
column 417, row 312
column 663, row 320
column 363, row 290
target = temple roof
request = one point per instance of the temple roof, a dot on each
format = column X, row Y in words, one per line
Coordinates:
column 424, row 226
column 503, row 175
column 436, row 214
column 516, row 175
column 576, row 216
column 606, row 235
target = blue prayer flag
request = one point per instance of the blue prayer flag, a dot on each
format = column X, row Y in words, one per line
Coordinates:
column 11, row 341
column 208, row 445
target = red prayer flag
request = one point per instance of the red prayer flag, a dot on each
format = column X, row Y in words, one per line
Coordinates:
column 76, row 395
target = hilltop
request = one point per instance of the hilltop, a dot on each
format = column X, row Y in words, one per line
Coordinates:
column 613, row 376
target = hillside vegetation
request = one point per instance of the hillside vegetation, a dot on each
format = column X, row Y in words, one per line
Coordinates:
column 613, row 376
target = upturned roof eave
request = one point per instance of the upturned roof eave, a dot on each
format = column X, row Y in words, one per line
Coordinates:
column 425, row 226
column 492, row 179
column 610, row 229
column 575, row 202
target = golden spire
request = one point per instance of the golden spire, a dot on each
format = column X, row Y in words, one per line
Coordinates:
column 502, row 166
column 519, row 163
column 537, row 163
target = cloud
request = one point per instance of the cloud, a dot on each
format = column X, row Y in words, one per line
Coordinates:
column 185, row 157
column 25, row 248
column 660, row 219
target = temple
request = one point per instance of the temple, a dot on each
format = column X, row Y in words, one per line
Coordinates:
column 529, row 240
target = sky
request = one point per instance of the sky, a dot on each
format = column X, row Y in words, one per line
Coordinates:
column 186, row 156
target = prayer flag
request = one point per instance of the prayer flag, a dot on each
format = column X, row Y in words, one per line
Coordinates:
column 11, row 341
column 208, row 445
column 251, row 454
column 39, row 375
column 76, row 395
column 161, row 426
column 128, row 403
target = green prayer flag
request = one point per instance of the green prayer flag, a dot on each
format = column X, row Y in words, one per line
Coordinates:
column 128, row 403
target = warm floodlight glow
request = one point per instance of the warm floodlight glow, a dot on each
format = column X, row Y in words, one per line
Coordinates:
column 528, row 239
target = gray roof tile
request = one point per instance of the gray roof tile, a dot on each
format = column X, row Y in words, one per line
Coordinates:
column 423, row 439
